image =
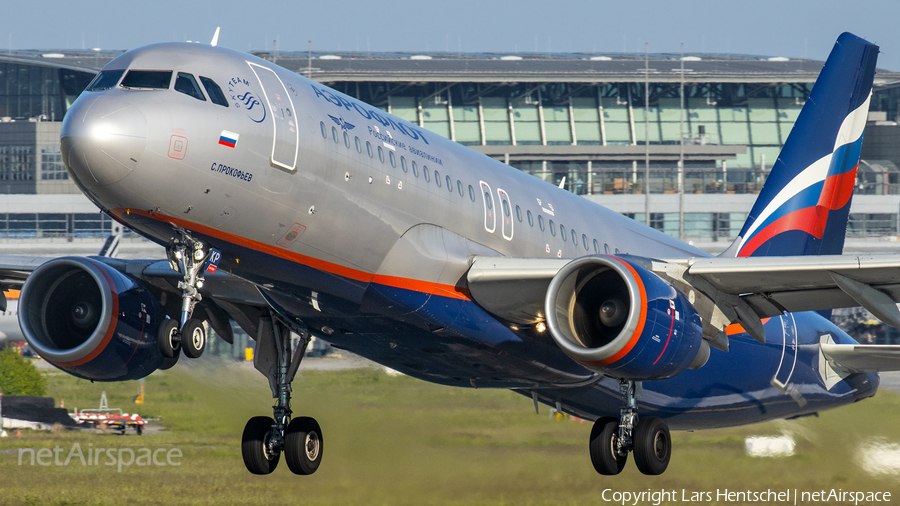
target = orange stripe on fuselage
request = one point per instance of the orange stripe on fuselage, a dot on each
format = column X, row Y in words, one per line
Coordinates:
column 322, row 265
column 737, row 328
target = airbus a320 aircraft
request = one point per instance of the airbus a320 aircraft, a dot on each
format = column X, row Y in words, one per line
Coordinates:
column 287, row 206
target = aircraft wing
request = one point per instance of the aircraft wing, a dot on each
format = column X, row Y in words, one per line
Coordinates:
column 14, row 269
column 772, row 285
column 855, row 358
column 514, row 289
column 224, row 296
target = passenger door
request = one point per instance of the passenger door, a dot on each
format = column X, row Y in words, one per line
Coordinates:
column 285, row 133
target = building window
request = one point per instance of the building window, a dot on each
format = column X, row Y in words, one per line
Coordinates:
column 51, row 163
column 17, row 163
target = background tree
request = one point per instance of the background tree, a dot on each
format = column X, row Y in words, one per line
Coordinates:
column 18, row 376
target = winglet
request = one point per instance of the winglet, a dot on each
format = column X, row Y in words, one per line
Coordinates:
column 215, row 37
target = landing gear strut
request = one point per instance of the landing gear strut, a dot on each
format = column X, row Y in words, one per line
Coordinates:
column 648, row 438
column 188, row 257
column 264, row 438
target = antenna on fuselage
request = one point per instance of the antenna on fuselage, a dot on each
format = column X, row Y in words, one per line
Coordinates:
column 215, row 37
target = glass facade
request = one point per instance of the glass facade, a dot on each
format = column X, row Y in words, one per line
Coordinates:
column 33, row 91
column 51, row 225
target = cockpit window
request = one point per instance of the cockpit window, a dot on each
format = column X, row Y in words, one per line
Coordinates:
column 105, row 80
column 214, row 92
column 147, row 79
column 185, row 83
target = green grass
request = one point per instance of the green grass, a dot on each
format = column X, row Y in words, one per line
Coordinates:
column 397, row 441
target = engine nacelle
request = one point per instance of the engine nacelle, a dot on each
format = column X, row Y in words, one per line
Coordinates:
column 617, row 318
column 90, row 320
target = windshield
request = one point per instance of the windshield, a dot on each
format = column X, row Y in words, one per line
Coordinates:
column 105, row 80
column 147, row 79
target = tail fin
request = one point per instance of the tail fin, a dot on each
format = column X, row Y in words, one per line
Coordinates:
column 805, row 203
column 111, row 246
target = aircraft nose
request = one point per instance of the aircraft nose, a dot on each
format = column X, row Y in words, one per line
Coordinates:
column 103, row 139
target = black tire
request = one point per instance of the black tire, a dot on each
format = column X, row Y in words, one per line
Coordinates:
column 167, row 338
column 303, row 445
column 604, row 456
column 652, row 445
column 169, row 363
column 193, row 338
column 254, row 446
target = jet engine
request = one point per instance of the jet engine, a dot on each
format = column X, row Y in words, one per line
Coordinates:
column 90, row 320
column 617, row 318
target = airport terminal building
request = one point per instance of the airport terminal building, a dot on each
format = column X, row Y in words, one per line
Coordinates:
column 604, row 122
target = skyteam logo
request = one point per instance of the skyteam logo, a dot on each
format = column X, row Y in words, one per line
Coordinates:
column 822, row 188
column 244, row 98
column 341, row 123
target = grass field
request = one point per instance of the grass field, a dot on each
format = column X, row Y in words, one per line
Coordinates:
column 395, row 440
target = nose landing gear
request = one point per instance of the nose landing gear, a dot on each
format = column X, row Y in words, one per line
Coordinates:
column 188, row 257
column 648, row 438
column 264, row 438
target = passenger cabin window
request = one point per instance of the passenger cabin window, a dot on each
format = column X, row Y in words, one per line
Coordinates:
column 214, row 92
column 105, row 80
column 147, row 79
column 553, row 229
column 185, row 83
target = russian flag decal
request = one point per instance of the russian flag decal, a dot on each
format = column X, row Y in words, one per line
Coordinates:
column 229, row 139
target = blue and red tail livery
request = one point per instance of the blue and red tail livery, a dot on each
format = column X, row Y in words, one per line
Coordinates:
column 804, row 206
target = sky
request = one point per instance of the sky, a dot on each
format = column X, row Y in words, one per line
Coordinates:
column 789, row 28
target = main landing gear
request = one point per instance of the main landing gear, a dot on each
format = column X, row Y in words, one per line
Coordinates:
column 648, row 438
column 264, row 438
column 188, row 257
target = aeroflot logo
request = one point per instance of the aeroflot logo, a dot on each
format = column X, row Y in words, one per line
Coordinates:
column 367, row 113
column 243, row 98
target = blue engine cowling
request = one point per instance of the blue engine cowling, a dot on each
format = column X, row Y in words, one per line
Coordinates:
column 90, row 320
column 617, row 318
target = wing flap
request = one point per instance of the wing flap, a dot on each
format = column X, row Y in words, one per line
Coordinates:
column 859, row 358
column 772, row 285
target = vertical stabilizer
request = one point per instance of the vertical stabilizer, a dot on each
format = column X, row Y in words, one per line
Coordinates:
column 805, row 203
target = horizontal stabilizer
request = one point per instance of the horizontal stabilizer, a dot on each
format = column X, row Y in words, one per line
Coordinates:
column 857, row 358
